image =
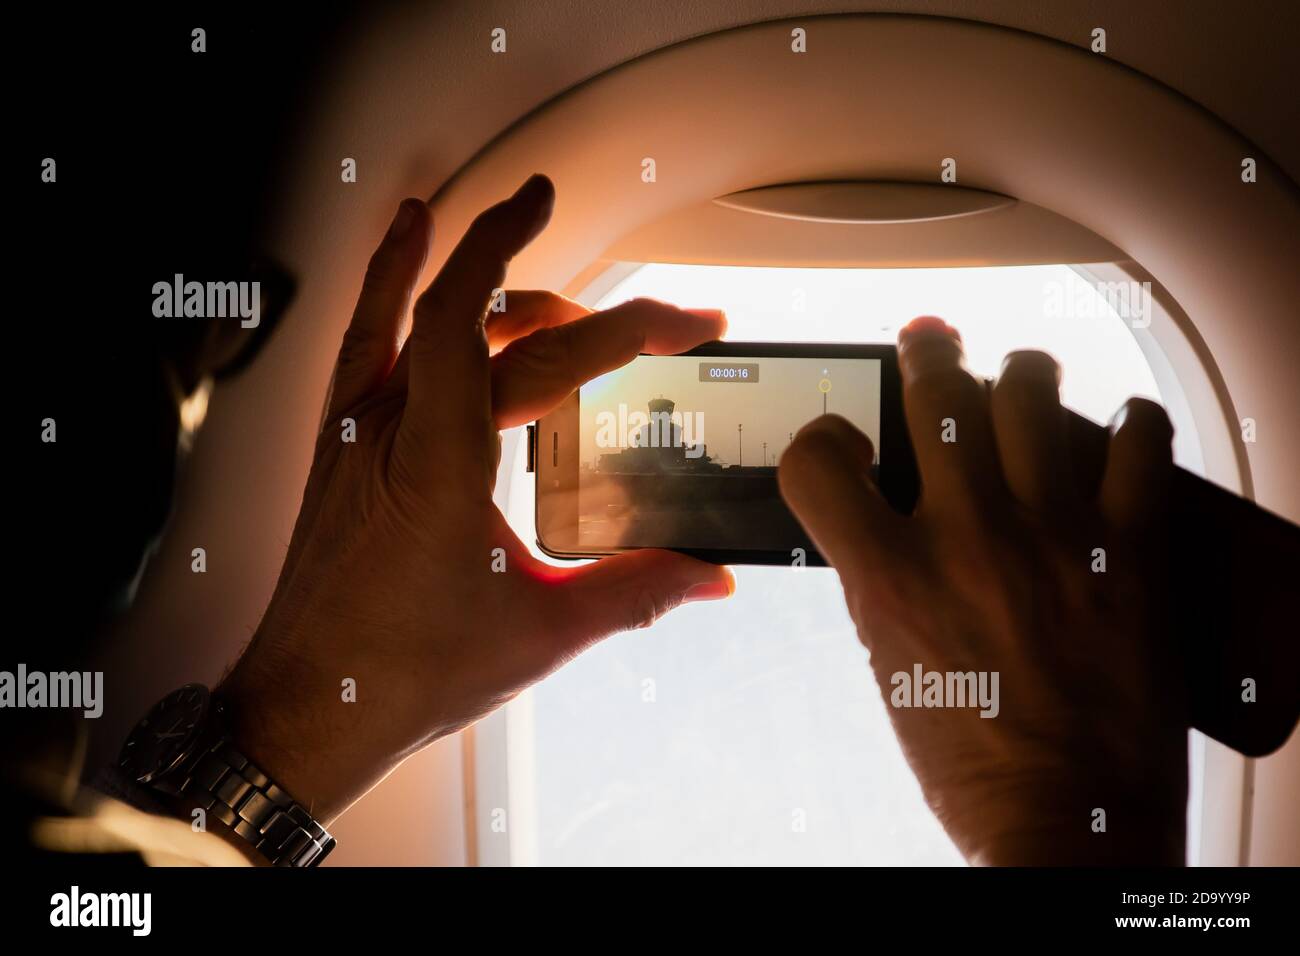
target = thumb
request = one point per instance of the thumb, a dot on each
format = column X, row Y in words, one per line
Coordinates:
column 634, row 590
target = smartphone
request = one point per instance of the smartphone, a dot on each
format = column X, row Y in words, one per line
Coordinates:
column 681, row 451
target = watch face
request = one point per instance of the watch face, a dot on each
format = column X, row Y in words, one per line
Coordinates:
column 166, row 735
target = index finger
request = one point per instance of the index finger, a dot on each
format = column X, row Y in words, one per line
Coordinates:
column 532, row 375
column 825, row 478
column 448, row 349
column 524, row 311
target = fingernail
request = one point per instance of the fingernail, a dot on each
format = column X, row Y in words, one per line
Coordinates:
column 402, row 221
column 532, row 184
column 1118, row 418
column 712, row 590
column 1141, row 408
column 535, row 198
column 925, row 325
column 1034, row 364
column 849, row 439
column 716, row 315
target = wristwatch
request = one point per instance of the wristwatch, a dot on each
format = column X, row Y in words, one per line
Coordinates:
column 182, row 749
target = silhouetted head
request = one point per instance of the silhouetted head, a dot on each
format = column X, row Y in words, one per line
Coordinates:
column 124, row 415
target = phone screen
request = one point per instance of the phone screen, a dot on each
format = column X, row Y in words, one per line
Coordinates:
column 682, row 451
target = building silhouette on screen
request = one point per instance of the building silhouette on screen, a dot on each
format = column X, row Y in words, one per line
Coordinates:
column 659, row 447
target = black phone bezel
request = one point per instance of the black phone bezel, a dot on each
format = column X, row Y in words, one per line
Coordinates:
column 897, row 479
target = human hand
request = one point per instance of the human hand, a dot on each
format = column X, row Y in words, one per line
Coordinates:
column 389, row 575
column 997, row 572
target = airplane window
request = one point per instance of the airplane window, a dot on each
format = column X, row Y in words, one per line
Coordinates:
column 751, row 731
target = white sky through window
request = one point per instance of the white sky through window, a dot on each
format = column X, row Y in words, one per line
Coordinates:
column 751, row 731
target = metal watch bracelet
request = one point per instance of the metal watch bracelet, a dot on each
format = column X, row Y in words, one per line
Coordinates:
column 223, row 782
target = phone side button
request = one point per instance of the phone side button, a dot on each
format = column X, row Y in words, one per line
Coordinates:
column 530, row 463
